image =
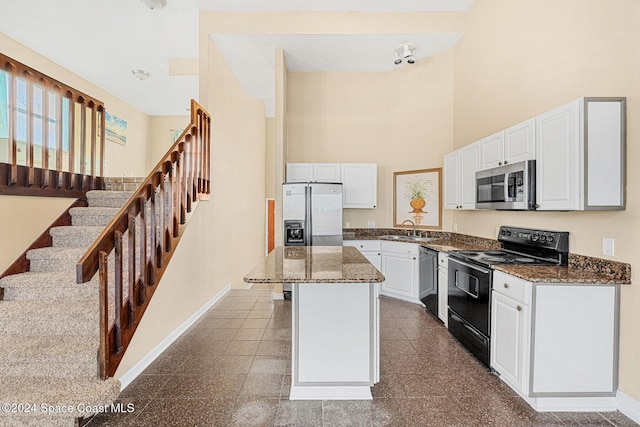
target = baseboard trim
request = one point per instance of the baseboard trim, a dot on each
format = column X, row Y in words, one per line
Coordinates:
column 628, row 406
column 128, row 377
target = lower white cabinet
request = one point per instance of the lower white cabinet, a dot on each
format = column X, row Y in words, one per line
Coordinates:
column 401, row 269
column 443, row 290
column 556, row 344
column 369, row 248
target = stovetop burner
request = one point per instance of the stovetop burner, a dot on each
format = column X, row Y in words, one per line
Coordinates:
column 523, row 246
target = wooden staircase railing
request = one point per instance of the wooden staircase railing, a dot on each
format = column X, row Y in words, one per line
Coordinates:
column 143, row 236
column 51, row 135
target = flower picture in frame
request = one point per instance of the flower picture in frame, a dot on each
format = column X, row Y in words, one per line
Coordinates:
column 417, row 197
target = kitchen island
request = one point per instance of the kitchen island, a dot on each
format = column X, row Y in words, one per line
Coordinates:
column 335, row 319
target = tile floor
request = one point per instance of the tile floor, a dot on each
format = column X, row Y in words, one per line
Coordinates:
column 232, row 368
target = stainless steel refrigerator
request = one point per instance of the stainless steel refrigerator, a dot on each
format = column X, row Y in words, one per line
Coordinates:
column 312, row 214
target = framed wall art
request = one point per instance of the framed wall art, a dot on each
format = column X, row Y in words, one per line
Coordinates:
column 417, row 197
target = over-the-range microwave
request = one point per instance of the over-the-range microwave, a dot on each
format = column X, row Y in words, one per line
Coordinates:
column 509, row 187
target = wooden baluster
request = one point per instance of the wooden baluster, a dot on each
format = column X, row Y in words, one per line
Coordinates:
column 94, row 131
column 186, row 192
column 30, row 89
column 173, row 231
column 177, row 207
column 72, row 140
column 83, row 141
column 45, row 134
column 103, row 355
column 118, row 295
column 132, row 266
column 142, row 250
column 152, row 234
column 160, row 225
column 166, row 201
column 12, row 107
column 58, row 168
column 102, row 140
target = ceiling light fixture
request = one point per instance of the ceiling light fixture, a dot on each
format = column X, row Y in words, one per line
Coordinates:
column 141, row 74
column 154, row 4
column 404, row 51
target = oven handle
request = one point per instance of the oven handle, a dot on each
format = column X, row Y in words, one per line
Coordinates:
column 464, row 290
column 484, row 270
column 506, row 187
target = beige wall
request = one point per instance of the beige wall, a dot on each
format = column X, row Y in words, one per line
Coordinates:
column 22, row 219
column 129, row 159
column 401, row 120
column 161, row 136
column 519, row 59
column 225, row 237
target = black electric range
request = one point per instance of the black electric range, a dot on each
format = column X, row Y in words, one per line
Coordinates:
column 471, row 274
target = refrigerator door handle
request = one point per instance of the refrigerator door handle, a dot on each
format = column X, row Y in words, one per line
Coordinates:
column 309, row 221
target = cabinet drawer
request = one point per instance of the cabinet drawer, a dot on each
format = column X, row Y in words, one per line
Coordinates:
column 399, row 247
column 513, row 287
column 363, row 245
column 443, row 260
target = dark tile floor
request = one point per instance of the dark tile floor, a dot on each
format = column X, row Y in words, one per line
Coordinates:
column 232, row 368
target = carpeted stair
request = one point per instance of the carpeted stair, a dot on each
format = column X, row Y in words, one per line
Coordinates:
column 49, row 327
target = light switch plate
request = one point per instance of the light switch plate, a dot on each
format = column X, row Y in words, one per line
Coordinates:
column 371, row 224
column 347, row 224
column 607, row 246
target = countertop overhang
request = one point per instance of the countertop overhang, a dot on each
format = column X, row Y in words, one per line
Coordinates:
column 314, row 264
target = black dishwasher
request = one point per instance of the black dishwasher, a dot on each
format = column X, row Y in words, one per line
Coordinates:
column 429, row 279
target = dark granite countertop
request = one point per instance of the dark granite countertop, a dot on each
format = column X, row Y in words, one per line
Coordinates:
column 314, row 264
column 581, row 269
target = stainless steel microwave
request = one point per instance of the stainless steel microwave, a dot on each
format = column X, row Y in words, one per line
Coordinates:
column 509, row 187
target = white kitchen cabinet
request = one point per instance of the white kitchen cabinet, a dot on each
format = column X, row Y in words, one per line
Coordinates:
column 369, row 248
column 299, row 172
column 401, row 269
column 511, row 319
column 359, row 185
column 359, row 180
column 443, row 290
column 460, row 177
column 556, row 344
column 313, row 172
column 580, row 152
column 512, row 145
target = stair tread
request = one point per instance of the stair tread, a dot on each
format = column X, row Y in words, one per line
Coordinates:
column 108, row 193
column 40, row 279
column 57, row 251
column 92, row 210
column 75, row 229
column 20, row 346
column 33, row 309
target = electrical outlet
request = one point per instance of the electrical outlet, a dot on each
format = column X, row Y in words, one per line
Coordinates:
column 371, row 224
column 607, row 246
column 497, row 231
column 347, row 224
column 455, row 227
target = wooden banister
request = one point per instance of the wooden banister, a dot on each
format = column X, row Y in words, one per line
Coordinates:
column 39, row 108
column 143, row 236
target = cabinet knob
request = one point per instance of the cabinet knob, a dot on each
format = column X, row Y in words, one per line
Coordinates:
column 506, row 285
column 505, row 162
column 414, row 258
column 362, row 246
column 499, row 163
column 519, row 308
column 378, row 253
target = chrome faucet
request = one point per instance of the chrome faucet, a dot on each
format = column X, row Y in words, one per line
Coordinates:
column 412, row 223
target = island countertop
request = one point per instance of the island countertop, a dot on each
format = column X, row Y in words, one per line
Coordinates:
column 314, row 264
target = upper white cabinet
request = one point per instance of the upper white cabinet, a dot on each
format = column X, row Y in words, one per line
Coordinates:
column 313, row 172
column 359, row 180
column 359, row 185
column 299, row 172
column 512, row 145
column 581, row 155
column 460, row 177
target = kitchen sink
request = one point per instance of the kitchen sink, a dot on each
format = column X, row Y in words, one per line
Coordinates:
column 415, row 238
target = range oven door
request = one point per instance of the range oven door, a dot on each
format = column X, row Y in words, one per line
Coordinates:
column 469, row 293
column 470, row 307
